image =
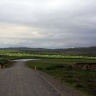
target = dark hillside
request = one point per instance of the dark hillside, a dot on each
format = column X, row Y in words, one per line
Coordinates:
column 89, row 51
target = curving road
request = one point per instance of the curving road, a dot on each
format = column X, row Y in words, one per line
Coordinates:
column 22, row 81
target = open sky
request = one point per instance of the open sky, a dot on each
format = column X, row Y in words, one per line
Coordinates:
column 47, row 23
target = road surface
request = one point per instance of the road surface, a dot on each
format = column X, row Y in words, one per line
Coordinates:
column 22, row 81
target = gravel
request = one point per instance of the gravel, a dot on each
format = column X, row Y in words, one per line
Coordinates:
column 22, row 81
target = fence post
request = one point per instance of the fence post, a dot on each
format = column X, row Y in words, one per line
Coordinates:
column 0, row 66
column 35, row 68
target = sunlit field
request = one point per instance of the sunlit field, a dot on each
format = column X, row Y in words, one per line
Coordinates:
column 13, row 54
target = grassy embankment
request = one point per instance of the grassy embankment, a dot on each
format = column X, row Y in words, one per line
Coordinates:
column 61, row 69
column 4, row 63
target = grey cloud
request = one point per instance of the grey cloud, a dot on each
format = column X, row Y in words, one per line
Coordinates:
column 68, row 24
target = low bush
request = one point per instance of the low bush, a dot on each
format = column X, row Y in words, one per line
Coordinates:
column 4, row 63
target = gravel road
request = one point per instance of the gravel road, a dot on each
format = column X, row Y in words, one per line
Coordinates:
column 22, row 81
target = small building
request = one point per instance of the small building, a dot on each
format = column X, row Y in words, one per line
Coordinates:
column 85, row 66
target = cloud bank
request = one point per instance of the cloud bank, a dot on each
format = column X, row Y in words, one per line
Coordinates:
column 47, row 23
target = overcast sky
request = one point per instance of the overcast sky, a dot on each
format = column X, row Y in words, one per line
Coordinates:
column 47, row 23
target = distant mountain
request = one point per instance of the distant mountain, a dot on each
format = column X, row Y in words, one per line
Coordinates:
column 74, row 51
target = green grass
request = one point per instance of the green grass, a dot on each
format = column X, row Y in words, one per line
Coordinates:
column 61, row 69
column 5, row 63
column 14, row 53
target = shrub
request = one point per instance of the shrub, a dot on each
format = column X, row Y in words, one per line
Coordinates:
column 3, row 62
column 79, row 86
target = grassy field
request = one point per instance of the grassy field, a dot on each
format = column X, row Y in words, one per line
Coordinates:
column 61, row 69
column 59, row 66
column 15, row 54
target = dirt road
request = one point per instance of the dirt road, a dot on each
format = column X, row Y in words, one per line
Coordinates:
column 22, row 81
